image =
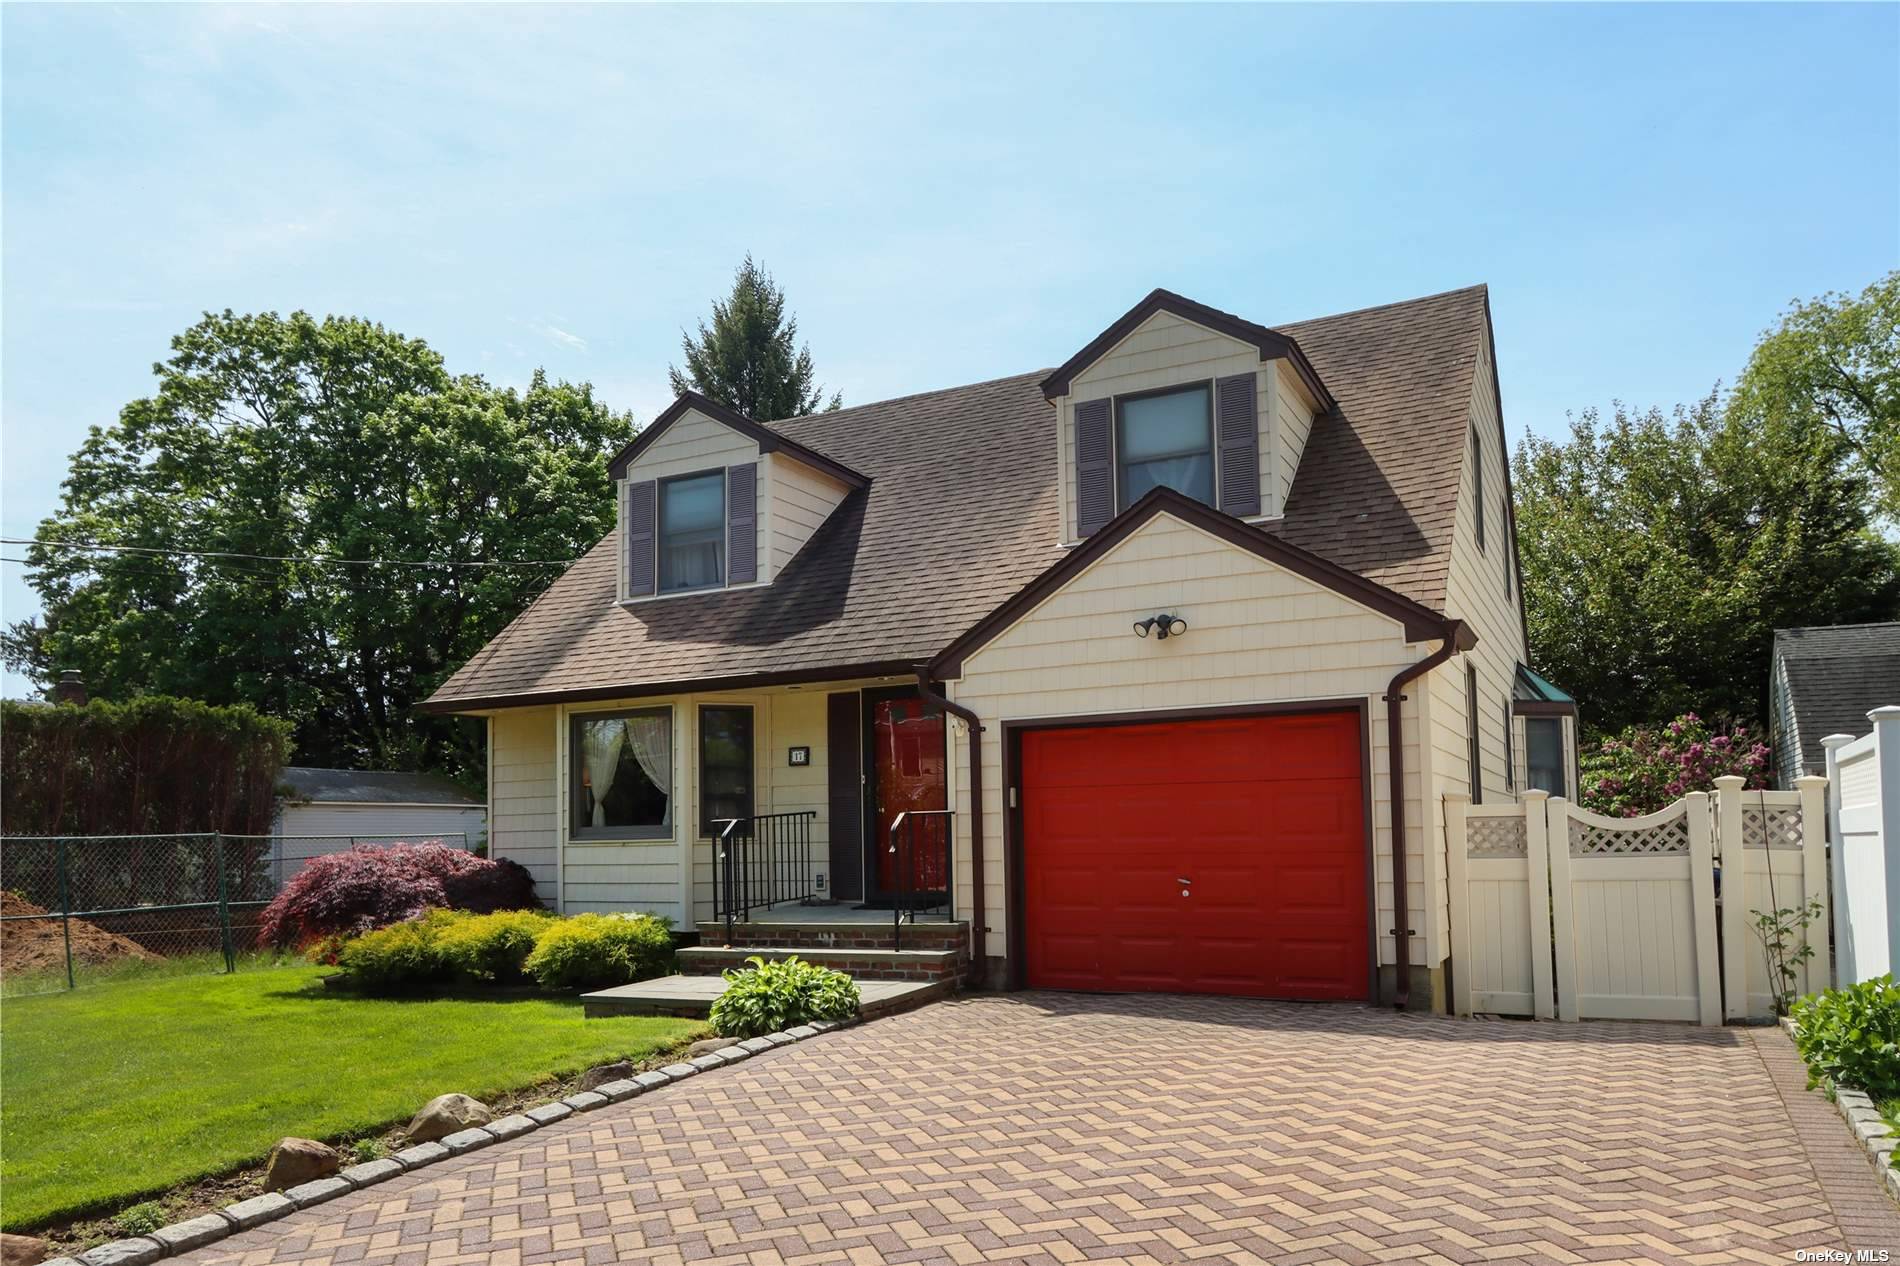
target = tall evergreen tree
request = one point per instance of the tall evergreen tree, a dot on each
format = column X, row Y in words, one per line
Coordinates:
column 749, row 358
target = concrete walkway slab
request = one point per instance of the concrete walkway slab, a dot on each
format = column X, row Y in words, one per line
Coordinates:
column 692, row 996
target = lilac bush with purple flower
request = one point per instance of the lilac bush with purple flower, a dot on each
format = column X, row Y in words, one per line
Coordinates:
column 1646, row 768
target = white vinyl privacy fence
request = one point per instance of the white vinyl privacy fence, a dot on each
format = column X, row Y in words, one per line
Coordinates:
column 1560, row 912
column 1864, row 817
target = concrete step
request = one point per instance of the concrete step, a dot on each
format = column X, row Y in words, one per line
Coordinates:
column 692, row 997
column 859, row 964
column 819, row 934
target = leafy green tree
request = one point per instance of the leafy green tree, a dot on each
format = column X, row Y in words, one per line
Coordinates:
column 749, row 358
column 1834, row 363
column 1661, row 551
column 289, row 438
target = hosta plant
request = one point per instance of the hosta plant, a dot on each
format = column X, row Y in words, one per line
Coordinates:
column 770, row 997
column 1851, row 1036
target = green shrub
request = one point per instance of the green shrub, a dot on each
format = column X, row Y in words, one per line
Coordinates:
column 488, row 948
column 141, row 1218
column 364, row 1150
column 601, row 949
column 395, row 959
column 1851, row 1036
column 772, row 997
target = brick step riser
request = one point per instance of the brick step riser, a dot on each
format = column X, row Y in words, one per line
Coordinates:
column 861, row 969
column 766, row 937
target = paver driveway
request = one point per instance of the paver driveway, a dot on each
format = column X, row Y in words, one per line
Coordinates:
column 1056, row 1128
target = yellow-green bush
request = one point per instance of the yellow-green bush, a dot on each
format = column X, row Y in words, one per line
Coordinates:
column 488, row 948
column 395, row 959
column 601, row 949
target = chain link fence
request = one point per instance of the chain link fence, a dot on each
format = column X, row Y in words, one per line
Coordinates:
column 88, row 909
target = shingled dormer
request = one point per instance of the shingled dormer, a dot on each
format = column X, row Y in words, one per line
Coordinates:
column 1177, row 394
column 710, row 499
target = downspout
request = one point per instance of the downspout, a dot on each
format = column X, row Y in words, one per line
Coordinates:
column 1457, row 637
column 978, row 931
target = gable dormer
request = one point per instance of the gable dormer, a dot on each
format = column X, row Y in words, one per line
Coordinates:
column 710, row 499
column 1181, row 395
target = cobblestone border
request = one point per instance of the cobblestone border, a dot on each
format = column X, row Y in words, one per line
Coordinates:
column 181, row 1237
column 1875, row 1136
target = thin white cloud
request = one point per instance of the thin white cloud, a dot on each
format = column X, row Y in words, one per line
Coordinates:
column 555, row 334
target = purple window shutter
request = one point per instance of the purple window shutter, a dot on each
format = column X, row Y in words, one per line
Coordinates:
column 642, row 502
column 1094, row 467
column 1237, row 432
column 742, row 524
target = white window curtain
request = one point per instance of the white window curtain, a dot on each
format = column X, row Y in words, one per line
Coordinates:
column 651, row 738
column 600, row 748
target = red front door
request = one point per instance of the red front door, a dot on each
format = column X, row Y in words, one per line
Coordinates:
column 907, row 766
column 1219, row 856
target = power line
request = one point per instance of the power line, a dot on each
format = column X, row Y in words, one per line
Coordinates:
column 329, row 559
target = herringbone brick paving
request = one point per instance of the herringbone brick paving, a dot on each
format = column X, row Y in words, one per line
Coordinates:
column 1049, row 1128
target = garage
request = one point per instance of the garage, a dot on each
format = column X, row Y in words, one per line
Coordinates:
column 1223, row 855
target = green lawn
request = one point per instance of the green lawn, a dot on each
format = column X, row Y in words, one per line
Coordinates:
column 116, row 1092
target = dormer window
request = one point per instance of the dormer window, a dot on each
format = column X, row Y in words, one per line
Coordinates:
column 1165, row 439
column 693, row 532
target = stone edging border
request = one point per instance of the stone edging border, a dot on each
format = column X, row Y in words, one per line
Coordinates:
column 196, row 1232
column 1875, row 1136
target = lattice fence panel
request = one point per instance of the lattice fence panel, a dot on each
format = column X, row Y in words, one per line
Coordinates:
column 1495, row 837
column 1587, row 839
column 1771, row 827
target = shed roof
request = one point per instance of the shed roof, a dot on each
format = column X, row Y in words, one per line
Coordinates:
column 371, row 786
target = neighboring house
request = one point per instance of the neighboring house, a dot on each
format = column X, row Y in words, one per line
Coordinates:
column 326, row 810
column 1824, row 681
column 1230, row 606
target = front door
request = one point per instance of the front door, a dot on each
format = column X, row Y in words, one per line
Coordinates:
column 904, row 772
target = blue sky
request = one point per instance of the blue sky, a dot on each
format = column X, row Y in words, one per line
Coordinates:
column 947, row 194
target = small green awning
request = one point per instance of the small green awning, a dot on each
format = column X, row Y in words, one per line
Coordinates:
column 1532, row 694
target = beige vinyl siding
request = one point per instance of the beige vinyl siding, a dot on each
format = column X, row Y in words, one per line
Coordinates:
column 801, row 499
column 521, row 794
column 1475, row 592
column 1167, row 351
column 531, row 804
column 1293, row 410
column 693, row 444
column 1256, row 634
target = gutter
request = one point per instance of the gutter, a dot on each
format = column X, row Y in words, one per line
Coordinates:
column 1457, row 637
column 978, row 930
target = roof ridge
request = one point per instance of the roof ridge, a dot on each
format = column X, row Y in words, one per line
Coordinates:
column 915, row 395
column 1819, row 628
column 1380, row 307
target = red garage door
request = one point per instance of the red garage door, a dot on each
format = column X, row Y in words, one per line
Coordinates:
column 1223, row 856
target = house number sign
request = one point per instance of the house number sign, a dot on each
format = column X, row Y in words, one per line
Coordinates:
column 801, row 756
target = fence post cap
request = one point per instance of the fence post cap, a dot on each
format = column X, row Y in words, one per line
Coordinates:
column 1730, row 782
column 1888, row 713
column 1833, row 741
column 1457, row 797
column 1810, row 780
column 1536, row 793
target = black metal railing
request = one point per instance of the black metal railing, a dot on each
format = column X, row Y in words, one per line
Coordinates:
column 921, row 853
column 761, row 862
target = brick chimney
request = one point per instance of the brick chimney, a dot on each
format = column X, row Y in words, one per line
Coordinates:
column 69, row 688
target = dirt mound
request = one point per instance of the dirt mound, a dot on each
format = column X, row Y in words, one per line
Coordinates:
column 39, row 944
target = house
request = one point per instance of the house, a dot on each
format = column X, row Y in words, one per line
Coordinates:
column 1148, row 672
column 1823, row 681
column 328, row 810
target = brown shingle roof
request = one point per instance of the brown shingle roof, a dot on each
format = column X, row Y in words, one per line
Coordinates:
column 962, row 512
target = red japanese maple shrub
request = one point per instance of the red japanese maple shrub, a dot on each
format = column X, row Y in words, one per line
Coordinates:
column 345, row 894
